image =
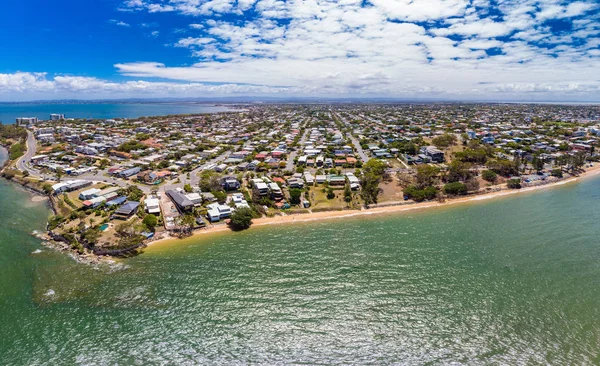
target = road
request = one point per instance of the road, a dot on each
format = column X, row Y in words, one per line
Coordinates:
column 23, row 161
column 290, row 161
column 194, row 180
column 354, row 140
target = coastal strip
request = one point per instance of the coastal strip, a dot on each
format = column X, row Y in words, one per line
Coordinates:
column 396, row 209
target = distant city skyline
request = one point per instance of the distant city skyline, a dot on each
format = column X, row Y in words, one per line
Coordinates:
column 531, row 50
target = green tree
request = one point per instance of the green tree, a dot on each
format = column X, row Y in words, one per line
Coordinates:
column 489, row 176
column 427, row 175
column 188, row 188
column 295, row 194
column 513, row 183
column 241, row 218
column 373, row 171
column 455, row 188
column 150, row 221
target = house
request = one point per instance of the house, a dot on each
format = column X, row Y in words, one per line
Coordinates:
column 230, row 184
column 126, row 210
column 182, row 203
column 309, row 179
column 336, row 180
column 295, row 183
column 239, row 201
column 148, row 177
column 89, row 194
column 70, row 186
column 94, row 202
column 276, row 192
column 152, row 205
column 116, row 201
column 120, row 154
column 433, row 153
column 260, row 187
column 129, row 172
column 109, row 193
column 217, row 212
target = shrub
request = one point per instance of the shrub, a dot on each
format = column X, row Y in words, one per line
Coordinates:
column 420, row 195
column 557, row 173
column 513, row 183
column 241, row 218
column 489, row 176
column 455, row 188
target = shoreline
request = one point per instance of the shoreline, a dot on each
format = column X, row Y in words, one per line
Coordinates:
column 394, row 209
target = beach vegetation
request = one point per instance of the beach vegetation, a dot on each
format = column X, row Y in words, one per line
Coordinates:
column 241, row 218
column 513, row 183
column 150, row 221
column 489, row 176
column 427, row 175
column 455, row 188
column 16, row 150
column 420, row 194
column 295, row 194
column 372, row 174
column 557, row 173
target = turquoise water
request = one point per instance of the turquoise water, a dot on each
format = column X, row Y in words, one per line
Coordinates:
column 103, row 227
column 509, row 281
column 9, row 112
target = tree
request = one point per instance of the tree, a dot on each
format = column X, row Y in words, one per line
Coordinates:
column 557, row 173
column 444, row 141
column 47, row 188
column 427, row 175
column 513, row 183
column 538, row 163
column 241, row 218
column 150, row 221
column 347, row 193
column 420, row 194
column 458, row 171
column 295, row 194
column 373, row 171
column 59, row 174
column 489, row 176
column 188, row 188
column 504, row 167
column 134, row 193
column 455, row 188
column 187, row 223
column 330, row 193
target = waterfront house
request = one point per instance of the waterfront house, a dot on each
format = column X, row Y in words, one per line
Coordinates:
column 127, row 210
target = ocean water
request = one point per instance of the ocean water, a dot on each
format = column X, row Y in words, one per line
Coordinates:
column 9, row 112
column 505, row 281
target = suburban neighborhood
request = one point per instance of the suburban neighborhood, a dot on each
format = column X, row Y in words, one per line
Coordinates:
column 117, row 183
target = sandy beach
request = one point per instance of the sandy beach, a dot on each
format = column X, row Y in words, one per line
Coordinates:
column 332, row 215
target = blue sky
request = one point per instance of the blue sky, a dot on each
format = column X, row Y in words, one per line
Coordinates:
column 448, row 49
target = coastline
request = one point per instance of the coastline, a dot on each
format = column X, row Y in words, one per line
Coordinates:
column 394, row 209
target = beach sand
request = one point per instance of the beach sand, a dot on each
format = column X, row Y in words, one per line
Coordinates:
column 332, row 215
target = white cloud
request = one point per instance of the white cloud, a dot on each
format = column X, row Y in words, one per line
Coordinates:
column 119, row 23
column 372, row 47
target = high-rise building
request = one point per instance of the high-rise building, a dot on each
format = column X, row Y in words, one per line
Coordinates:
column 26, row 121
column 57, row 117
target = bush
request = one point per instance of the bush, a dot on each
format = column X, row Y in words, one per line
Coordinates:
column 150, row 221
column 513, row 183
column 455, row 188
column 241, row 218
column 489, row 176
column 420, row 195
column 295, row 194
column 330, row 194
column 557, row 173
